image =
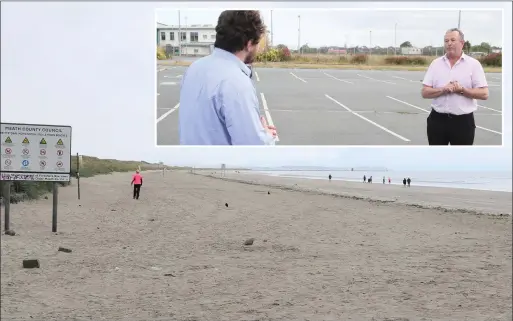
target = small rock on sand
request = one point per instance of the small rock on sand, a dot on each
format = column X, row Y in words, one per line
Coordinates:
column 10, row 233
column 249, row 241
column 65, row 250
column 31, row 264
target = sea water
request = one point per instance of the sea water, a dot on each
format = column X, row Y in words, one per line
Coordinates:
column 480, row 180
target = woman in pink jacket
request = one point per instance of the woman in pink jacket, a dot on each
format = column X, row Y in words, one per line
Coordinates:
column 137, row 181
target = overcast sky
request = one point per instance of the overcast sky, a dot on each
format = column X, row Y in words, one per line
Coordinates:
column 359, row 27
column 92, row 66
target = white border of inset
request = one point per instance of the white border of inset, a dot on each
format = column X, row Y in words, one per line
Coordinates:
column 391, row 6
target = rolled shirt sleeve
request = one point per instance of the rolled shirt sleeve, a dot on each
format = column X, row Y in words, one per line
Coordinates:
column 239, row 107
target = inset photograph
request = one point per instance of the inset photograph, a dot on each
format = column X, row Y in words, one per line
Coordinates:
column 338, row 77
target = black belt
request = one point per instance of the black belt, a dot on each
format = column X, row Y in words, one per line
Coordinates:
column 449, row 115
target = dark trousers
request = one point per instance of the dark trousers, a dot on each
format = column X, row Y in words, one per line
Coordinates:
column 445, row 129
column 137, row 190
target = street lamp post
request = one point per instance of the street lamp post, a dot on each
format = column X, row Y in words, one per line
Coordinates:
column 370, row 42
column 272, row 42
column 395, row 39
column 299, row 34
column 179, row 35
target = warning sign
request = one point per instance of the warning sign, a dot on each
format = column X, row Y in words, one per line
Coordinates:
column 35, row 152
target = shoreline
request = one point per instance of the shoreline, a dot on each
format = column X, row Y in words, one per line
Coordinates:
column 380, row 182
column 471, row 201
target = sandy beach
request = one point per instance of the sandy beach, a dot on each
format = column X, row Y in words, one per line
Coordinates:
column 322, row 251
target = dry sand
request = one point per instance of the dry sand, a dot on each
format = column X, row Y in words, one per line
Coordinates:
column 178, row 253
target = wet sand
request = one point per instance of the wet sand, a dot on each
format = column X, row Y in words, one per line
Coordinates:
column 322, row 251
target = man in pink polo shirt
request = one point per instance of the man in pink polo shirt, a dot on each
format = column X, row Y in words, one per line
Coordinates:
column 454, row 81
column 137, row 181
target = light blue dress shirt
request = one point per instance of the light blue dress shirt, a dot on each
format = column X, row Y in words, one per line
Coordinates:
column 219, row 104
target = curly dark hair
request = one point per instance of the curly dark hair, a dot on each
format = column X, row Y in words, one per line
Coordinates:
column 236, row 27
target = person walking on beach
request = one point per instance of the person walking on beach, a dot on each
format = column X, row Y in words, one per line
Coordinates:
column 404, row 182
column 137, row 182
column 218, row 100
column 383, row 179
column 408, row 181
column 389, row 180
column 364, row 179
column 454, row 82
column 329, row 177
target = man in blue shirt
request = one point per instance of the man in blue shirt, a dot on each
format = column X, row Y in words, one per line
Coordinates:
column 218, row 102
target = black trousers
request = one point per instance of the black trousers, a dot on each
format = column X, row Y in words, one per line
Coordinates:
column 137, row 190
column 448, row 129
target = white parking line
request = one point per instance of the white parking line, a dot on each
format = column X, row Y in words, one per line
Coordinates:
column 167, row 113
column 496, row 78
column 368, row 120
column 427, row 111
column 256, row 75
column 337, row 78
column 405, row 79
column 499, row 111
column 268, row 114
column 298, row 77
column 168, row 83
column 343, row 111
column 387, row 82
column 403, row 102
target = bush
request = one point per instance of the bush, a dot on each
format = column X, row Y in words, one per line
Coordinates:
column 359, row 59
column 161, row 53
column 492, row 60
column 403, row 60
column 285, row 54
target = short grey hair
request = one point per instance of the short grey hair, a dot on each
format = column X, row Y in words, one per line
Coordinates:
column 462, row 36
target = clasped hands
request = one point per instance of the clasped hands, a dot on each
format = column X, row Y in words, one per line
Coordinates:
column 453, row 87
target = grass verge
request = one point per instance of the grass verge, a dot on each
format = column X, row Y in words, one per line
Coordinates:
column 373, row 62
column 295, row 65
column 91, row 166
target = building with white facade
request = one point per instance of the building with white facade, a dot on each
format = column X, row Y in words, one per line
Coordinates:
column 411, row 51
column 194, row 40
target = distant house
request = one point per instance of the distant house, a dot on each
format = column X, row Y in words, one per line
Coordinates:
column 190, row 40
column 411, row 51
column 337, row 51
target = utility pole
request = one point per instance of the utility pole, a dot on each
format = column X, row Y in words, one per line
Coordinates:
column 395, row 39
column 272, row 42
column 179, row 35
column 299, row 34
column 459, row 19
